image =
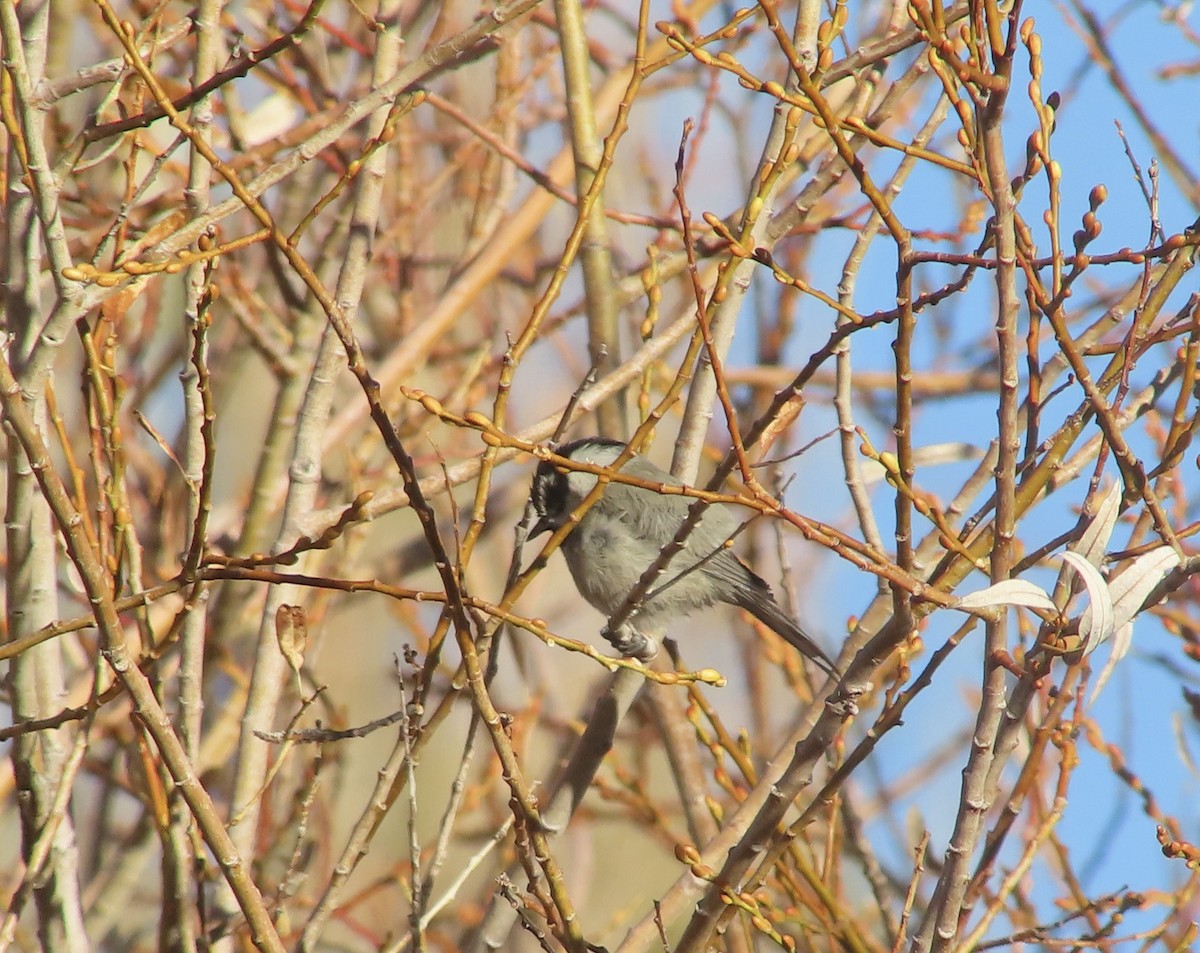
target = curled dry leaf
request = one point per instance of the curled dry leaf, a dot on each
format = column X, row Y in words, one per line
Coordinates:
column 1097, row 622
column 291, row 632
column 1128, row 592
column 1093, row 542
column 1111, row 607
column 1007, row 592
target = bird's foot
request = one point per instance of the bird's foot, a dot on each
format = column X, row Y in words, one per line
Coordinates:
column 844, row 699
column 630, row 642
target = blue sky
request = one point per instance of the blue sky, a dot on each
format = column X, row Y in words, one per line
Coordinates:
column 1109, row 838
column 1141, row 710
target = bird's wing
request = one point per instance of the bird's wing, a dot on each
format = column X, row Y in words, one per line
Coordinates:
column 654, row 520
column 656, row 517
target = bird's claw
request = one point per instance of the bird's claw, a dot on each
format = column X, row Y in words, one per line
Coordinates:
column 844, row 699
column 630, row 642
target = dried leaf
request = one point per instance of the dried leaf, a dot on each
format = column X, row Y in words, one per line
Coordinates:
column 1128, row 591
column 1122, row 639
column 1098, row 620
column 1007, row 592
column 1093, row 542
column 291, row 632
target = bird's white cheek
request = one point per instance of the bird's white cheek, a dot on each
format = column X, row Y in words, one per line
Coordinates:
column 580, row 485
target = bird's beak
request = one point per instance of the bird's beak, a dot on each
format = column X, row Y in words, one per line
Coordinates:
column 541, row 526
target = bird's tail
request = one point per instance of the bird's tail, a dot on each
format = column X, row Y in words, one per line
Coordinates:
column 762, row 605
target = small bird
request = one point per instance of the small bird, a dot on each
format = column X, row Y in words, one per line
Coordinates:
column 624, row 532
